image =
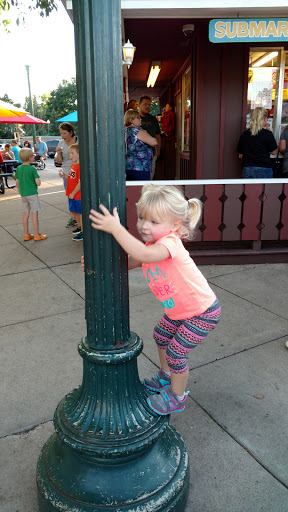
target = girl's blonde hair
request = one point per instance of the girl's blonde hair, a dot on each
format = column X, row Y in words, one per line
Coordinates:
column 129, row 116
column 166, row 201
column 258, row 120
column 25, row 153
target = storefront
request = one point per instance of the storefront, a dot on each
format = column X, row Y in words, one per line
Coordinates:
column 227, row 75
column 214, row 90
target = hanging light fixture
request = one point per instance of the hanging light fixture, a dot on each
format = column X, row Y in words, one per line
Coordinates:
column 128, row 53
column 154, row 72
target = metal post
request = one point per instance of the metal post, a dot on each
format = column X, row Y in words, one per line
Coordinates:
column 31, row 106
column 109, row 451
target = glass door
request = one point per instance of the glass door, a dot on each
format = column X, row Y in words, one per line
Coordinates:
column 266, row 85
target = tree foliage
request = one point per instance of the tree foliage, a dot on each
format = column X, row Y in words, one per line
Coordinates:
column 52, row 106
column 44, row 8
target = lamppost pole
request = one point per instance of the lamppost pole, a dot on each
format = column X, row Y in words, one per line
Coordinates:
column 110, row 451
column 48, row 125
column 31, row 105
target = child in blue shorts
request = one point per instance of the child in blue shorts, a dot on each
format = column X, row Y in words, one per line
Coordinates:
column 73, row 191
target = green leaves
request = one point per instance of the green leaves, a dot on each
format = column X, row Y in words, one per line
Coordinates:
column 44, row 8
column 52, row 106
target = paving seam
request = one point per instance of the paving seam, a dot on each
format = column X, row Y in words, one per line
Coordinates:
column 27, row 430
column 240, row 444
column 225, row 357
column 249, row 301
column 43, row 317
column 225, row 430
column 43, row 262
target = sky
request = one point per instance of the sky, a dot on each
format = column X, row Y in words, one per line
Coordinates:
column 46, row 45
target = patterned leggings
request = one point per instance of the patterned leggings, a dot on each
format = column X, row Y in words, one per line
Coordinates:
column 179, row 337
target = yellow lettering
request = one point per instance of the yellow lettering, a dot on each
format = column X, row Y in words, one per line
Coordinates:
column 231, row 32
column 220, row 29
column 257, row 28
column 242, row 29
column 271, row 29
column 283, row 28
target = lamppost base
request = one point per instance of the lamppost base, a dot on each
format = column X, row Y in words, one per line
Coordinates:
column 157, row 481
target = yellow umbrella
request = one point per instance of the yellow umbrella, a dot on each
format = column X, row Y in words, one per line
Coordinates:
column 8, row 110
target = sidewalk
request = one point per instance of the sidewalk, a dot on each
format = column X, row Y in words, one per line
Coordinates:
column 235, row 423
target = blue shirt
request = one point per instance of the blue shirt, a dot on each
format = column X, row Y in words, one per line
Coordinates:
column 41, row 147
column 16, row 150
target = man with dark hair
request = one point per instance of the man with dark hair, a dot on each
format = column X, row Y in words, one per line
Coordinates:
column 151, row 125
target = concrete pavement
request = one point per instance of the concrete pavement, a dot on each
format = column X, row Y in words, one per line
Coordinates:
column 235, row 423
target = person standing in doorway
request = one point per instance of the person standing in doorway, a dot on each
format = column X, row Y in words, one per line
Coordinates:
column 168, row 121
column 151, row 125
column 255, row 147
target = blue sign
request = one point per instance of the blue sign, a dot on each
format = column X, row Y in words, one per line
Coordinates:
column 245, row 31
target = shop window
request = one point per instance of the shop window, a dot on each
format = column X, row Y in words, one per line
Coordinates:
column 268, row 86
column 284, row 113
column 186, row 105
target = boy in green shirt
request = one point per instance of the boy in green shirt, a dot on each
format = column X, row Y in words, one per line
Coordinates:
column 27, row 181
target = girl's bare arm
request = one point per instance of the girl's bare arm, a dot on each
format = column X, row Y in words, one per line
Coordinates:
column 136, row 249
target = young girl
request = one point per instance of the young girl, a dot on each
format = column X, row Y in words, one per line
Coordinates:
column 191, row 307
column 138, row 143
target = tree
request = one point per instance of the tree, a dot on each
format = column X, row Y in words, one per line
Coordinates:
column 44, row 7
column 61, row 101
column 58, row 103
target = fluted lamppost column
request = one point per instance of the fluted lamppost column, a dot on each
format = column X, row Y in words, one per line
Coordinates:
column 109, row 450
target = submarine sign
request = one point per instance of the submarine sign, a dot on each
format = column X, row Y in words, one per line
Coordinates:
column 236, row 30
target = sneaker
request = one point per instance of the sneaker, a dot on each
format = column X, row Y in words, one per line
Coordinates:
column 77, row 230
column 167, row 402
column 71, row 223
column 160, row 381
column 78, row 237
column 286, row 344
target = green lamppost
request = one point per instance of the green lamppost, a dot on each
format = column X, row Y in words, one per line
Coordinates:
column 31, row 106
column 109, row 452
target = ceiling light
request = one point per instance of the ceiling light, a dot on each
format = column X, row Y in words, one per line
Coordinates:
column 154, row 72
column 265, row 59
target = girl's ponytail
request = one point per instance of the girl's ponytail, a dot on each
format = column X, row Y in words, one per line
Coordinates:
column 194, row 213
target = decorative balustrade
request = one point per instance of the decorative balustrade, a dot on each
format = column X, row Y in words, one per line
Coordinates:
column 234, row 210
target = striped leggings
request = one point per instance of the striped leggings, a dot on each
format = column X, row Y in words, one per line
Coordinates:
column 179, row 337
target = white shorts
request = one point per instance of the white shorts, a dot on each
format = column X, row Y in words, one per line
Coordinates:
column 31, row 203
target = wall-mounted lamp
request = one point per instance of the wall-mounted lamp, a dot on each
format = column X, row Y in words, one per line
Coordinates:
column 154, row 72
column 128, row 53
column 265, row 59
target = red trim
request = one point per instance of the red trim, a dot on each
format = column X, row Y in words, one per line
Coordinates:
column 222, row 114
column 245, row 88
column 271, row 211
column 212, row 213
column 252, row 212
column 284, row 216
column 200, row 106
